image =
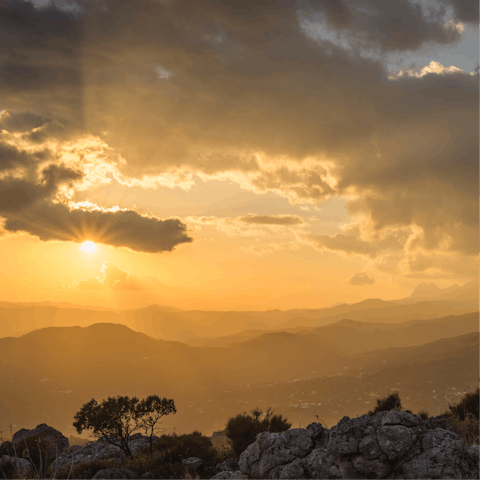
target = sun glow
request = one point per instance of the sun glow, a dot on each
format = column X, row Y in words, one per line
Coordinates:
column 88, row 247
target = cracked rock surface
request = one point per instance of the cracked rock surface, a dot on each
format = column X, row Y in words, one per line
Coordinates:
column 394, row 445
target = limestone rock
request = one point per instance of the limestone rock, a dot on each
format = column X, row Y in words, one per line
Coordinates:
column 115, row 473
column 194, row 462
column 53, row 441
column 230, row 475
column 93, row 451
column 272, row 450
column 98, row 450
column 393, row 445
column 228, row 465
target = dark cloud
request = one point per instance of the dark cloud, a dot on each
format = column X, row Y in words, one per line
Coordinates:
column 362, row 279
column 272, row 220
column 465, row 10
column 250, row 94
column 34, row 208
column 56, row 221
column 395, row 26
column 12, row 157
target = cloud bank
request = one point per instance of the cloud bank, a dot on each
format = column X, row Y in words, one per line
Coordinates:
column 276, row 95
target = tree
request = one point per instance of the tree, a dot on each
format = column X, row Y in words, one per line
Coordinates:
column 117, row 418
column 150, row 410
column 244, row 428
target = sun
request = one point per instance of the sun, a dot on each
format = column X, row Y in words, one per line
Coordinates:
column 88, row 247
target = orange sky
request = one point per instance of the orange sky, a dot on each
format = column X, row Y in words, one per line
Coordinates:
column 284, row 155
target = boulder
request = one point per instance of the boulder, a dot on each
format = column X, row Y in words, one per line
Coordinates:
column 230, row 475
column 93, row 451
column 53, row 441
column 139, row 442
column 385, row 445
column 194, row 462
column 99, row 450
column 22, row 465
column 115, row 473
column 228, row 465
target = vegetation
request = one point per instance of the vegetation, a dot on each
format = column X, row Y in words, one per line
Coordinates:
column 33, row 449
column 163, row 457
column 166, row 461
column 244, row 428
column 117, row 418
column 392, row 402
column 464, row 417
column 467, row 405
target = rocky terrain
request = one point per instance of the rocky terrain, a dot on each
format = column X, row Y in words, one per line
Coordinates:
column 393, row 445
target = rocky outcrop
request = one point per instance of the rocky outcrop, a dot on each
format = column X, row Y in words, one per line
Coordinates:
column 51, row 440
column 230, row 464
column 219, row 434
column 115, row 473
column 21, row 465
column 237, row 474
column 99, row 450
column 386, row 445
column 78, row 454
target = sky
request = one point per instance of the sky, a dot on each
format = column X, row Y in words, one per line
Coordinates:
column 234, row 154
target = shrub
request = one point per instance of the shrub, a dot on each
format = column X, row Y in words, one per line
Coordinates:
column 243, row 429
column 145, row 463
column 467, row 429
column 7, row 449
column 174, row 448
column 392, row 402
column 9, row 470
column 468, row 404
column 423, row 414
column 86, row 470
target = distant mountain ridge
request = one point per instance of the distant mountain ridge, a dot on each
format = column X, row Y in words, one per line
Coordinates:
column 469, row 292
column 55, row 370
column 181, row 325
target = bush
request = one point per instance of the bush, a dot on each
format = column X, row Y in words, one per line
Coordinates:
column 145, row 463
column 86, row 470
column 423, row 414
column 9, row 470
column 243, row 429
column 392, row 402
column 175, row 448
column 468, row 404
column 466, row 429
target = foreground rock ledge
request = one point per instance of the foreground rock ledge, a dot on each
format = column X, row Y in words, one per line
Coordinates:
column 386, row 445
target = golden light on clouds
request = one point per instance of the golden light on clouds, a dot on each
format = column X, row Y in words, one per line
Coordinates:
column 88, row 247
column 298, row 133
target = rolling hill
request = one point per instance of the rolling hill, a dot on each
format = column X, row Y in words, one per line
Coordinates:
column 48, row 374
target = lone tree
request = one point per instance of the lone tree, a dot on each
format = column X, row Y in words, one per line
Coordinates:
column 117, row 418
column 244, row 428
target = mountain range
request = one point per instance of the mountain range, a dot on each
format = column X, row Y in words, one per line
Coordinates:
column 48, row 374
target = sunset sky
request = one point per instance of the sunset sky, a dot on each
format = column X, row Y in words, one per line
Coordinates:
column 237, row 154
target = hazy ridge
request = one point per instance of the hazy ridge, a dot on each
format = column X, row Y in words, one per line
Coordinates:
column 49, row 373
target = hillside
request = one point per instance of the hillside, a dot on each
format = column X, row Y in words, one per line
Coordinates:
column 50, row 373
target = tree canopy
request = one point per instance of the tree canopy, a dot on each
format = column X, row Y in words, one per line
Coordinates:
column 118, row 418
